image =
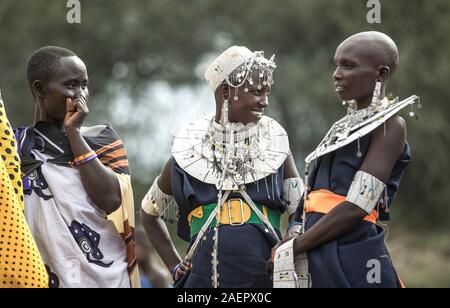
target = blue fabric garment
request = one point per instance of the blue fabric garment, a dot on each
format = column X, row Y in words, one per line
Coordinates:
column 347, row 262
column 351, row 260
column 190, row 193
column 335, row 171
column 243, row 253
column 243, row 250
column 145, row 282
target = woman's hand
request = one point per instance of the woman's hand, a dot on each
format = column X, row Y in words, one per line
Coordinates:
column 76, row 113
column 270, row 262
column 180, row 270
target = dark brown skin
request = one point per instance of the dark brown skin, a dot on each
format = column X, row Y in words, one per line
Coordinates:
column 148, row 265
column 239, row 112
column 358, row 67
column 157, row 231
column 63, row 100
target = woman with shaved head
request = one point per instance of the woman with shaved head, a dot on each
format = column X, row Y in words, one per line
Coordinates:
column 355, row 173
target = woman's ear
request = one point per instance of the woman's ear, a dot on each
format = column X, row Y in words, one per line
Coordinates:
column 38, row 88
column 384, row 72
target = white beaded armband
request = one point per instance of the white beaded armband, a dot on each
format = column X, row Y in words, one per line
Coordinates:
column 293, row 189
column 365, row 191
column 156, row 202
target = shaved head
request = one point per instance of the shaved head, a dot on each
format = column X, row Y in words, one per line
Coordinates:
column 376, row 47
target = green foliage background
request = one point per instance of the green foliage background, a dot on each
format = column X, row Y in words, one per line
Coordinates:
column 167, row 39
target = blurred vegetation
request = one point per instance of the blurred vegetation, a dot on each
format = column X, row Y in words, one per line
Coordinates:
column 129, row 45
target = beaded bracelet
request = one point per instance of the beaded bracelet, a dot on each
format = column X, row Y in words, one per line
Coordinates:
column 296, row 226
column 174, row 270
column 294, row 223
column 85, row 158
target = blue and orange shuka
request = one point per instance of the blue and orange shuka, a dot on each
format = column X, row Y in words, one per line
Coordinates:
column 359, row 258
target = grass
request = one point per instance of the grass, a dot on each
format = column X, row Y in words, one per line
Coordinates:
column 422, row 258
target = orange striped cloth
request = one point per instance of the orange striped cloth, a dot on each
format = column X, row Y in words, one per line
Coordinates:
column 112, row 154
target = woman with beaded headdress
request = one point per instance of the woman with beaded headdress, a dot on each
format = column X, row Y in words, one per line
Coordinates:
column 352, row 177
column 230, row 178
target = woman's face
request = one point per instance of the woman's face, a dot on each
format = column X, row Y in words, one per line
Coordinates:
column 355, row 74
column 251, row 104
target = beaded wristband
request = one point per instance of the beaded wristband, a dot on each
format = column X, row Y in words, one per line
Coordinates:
column 88, row 159
column 85, row 158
